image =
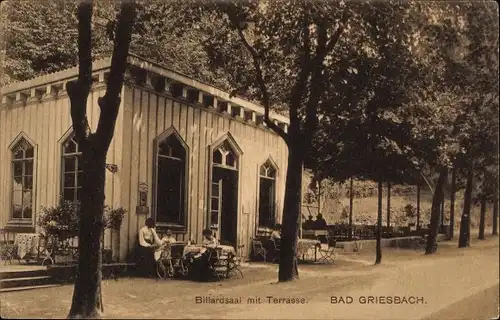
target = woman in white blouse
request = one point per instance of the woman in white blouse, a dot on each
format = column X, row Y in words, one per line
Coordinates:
column 148, row 243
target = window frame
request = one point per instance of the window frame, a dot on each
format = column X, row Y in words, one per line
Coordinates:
column 62, row 173
column 22, row 222
column 270, row 161
column 179, row 228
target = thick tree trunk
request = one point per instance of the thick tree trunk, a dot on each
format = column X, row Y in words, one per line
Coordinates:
column 464, row 239
column 495, row 217
column 378, row 259
column 441, row 216
column 351, row 196
column 418, row 206
column 437, row 199
column 481, row 219
column 87, row 300
column 388, row 204
column 288, row 270
column 452, row 203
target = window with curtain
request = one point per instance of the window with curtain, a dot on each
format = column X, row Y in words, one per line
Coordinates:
column 22, row 180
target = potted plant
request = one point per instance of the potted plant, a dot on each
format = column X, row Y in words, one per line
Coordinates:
column 113, row 220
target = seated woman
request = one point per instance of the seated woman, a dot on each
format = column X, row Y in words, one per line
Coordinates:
column 168, row 237
column 148, row 243
column 208, row 238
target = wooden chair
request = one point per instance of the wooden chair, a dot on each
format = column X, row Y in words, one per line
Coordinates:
column 7, row 247
column 328, row 255
column 234, row 261
column 258, row 248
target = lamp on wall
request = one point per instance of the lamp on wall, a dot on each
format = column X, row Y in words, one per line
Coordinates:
column 113, row 168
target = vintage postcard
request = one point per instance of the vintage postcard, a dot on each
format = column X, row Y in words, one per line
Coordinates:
column 253, row 159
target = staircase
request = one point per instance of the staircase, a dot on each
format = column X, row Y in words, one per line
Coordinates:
column 25, row 279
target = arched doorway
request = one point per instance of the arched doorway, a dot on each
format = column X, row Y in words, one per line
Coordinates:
column 223, row 217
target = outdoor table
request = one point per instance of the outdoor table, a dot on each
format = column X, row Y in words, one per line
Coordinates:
column 196, row 249
column 27, row 244
column 304, row 245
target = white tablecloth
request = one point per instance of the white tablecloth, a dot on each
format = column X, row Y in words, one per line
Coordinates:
column 27, row 244
column 304, row 245
column 200, row 249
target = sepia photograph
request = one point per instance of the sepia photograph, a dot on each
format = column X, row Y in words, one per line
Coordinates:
column 249, row 159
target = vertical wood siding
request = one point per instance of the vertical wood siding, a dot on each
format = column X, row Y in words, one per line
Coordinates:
column 147, row 115
column 45, row 122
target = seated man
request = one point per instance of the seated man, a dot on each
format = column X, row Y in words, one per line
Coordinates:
column 208, row 238
column 320, row 223
column 308, row 224
column 148, row 243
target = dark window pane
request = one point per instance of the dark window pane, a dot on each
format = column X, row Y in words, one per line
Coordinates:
column 215, row 189
column 169, row 193
column 79, row 194
column 69, row 194
column 271, row 173
column 18, row 168
column 70, row 146
column 164, row 148
column 79, row 162
column 28, row 183
column 69, row 180
column 27, row 212
column 217, row 157
column 17, row 211
column 266, row 203
column 214, row 217
column 215, row 204
column 19, row 153
column 69, row 164
column 79, row 179
column 28, row 168
column 29, row 152
column 230, row 160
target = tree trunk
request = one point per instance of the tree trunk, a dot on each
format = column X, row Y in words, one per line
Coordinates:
column 441, row 216
column 87, row 300
column 378, row 259
column 351, row 196
column 418, row 206
column 388, row 204
column 288, row 270
column 452, row 203
column 495, row 217
column 464, row 239
column 481, row 219
column 437, row 199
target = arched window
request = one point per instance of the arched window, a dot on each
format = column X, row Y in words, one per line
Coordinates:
column 22, row 180
column 224, row 157
column 72, row 170
column 170, row 181
column 267, row 195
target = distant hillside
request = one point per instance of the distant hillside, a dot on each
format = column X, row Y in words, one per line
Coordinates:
column 335, row 203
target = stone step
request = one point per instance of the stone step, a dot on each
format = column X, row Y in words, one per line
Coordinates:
column 29, row 288
column 25, row 282
column 22, row 274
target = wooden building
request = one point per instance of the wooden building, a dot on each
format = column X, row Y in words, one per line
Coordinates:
column 184, row 152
